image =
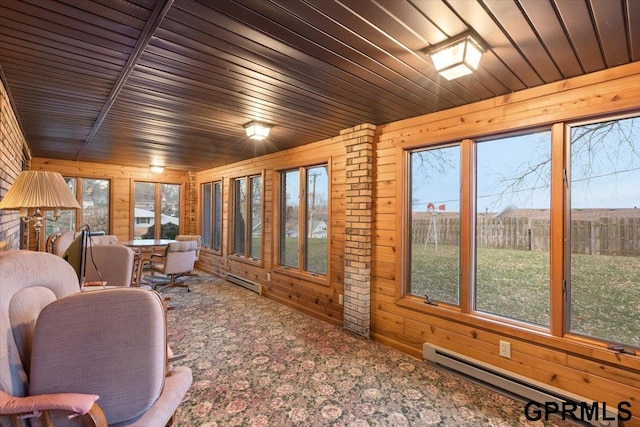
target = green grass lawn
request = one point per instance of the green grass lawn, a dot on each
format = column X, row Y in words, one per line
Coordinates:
column 605, row 289
column 316, row 255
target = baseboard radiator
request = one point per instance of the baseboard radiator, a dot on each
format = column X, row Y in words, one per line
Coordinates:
column 512, row 383
column 241, row 281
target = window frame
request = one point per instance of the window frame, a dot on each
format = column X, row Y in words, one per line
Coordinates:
column 299, row 271
column 564, row 324
column 464, row 312
column 246, row 256
column 79, row 213
column 474, row 190
column 558, row 246
column 215, row 209
column 158, row 206
column 406, row 275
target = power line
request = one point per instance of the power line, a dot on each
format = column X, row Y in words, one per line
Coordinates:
column 534, row 188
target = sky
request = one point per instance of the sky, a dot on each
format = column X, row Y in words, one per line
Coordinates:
column 605, row 174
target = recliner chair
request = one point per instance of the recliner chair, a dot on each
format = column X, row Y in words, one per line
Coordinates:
column 105, row 343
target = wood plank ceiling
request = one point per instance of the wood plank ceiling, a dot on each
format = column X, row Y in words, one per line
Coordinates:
column 136, row 82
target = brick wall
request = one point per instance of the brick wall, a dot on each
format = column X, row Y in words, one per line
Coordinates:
column 358, row 228
column 12, row 158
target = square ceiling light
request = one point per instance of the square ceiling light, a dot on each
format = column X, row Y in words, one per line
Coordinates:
column 457, row 57
column 256, row 130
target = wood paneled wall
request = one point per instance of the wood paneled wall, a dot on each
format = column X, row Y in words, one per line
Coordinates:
column 318, row 297
column 580, row 366
column 122, row 179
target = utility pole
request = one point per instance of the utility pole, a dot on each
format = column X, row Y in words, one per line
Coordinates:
column 313, row 176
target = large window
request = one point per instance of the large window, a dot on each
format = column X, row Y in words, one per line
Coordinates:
column 247, row 217
column 304, row 208
column 605, row 230
column 206, row 214
column 67, row 219
column 289, row 218
column 512, row 224
column 94, row 199
column 539, row 228
column 95, row 204
column 156, row 204
column 434, row 228
column 212, row 215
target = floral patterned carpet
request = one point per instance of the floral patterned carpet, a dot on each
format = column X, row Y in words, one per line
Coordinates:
column 256, row 362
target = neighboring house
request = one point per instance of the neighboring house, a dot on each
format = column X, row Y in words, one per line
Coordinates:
column 143, row 219
column 318, row 230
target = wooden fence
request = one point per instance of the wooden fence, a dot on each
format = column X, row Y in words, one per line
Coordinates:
column 604, row 236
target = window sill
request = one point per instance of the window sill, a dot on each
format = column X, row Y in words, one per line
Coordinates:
column 302, row 275
column 250, row 261
column 211, row 251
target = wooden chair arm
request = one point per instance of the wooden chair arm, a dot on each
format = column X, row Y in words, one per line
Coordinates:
column 19, row 408
column 97, row 416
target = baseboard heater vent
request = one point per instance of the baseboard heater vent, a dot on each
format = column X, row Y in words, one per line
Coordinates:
column 241, row 281
column 526, row 388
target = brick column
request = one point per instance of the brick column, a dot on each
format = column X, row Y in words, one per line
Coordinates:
column 192, row 199
column 358, row 228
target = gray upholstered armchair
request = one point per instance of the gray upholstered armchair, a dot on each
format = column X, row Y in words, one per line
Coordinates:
column 179, row 258
column 108, row 345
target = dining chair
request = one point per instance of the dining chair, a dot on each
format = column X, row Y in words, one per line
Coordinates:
column 197, row 238
column 109, row 264
column 179, row 259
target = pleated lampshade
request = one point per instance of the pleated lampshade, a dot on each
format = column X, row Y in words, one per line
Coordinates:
column 39, row 189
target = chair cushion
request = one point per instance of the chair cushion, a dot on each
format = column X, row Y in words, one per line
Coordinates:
column 123, row 361
column 176, row 386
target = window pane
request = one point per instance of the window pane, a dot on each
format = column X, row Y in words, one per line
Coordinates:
column 434, row 232
column 317, row 197
column 206, row 215
column 256, row 217
column 289, row 227
column 95, row 204
column 605, row 231
column 239, row 211
column 217, row 216
column 67, row 219
column 145, row 208
column 170, row 211
column 512, row 227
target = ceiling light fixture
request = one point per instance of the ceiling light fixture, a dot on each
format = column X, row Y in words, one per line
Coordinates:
column 456, row 57
column 256, row 130
column 156, row 168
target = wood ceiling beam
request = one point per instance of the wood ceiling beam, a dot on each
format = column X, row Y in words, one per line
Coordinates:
column 157, row 15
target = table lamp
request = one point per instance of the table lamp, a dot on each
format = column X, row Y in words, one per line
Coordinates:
column 37, row 191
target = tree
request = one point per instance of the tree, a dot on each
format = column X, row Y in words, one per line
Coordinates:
column 603, row 149
column 167, row 231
